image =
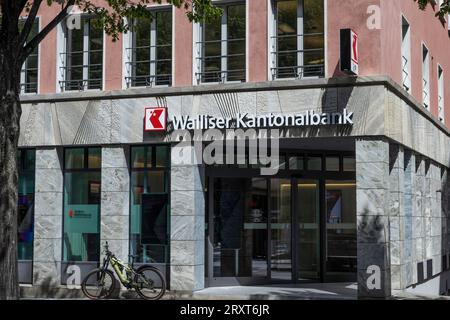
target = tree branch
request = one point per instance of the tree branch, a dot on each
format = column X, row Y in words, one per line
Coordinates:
column 32, row 45
column 29, row 22
column 22, row 4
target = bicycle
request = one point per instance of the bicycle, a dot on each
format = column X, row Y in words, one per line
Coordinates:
column 146, row 280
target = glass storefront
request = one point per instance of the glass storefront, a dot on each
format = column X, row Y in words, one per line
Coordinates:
column 82, row 186
column 25, row 223
column 149, row 218
column 299, row 225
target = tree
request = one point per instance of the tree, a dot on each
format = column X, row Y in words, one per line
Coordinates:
column 15, row 47
column 442, row 11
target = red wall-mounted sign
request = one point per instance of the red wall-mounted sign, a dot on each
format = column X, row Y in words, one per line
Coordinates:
column 349, row 52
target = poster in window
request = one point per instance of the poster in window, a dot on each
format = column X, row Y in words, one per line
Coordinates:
column 94, row 192
column 334, row 206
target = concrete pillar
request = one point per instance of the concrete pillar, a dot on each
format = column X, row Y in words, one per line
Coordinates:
column 396, row 215
column 433, row 216
column 48, row 218
column 115, row 195
column 187, row 223
column 412, row 220
column 372, row 180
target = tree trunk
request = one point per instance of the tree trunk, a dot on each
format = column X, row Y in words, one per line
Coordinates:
column 10, row 112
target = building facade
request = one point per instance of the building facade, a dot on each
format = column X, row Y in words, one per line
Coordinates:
column 361, row 188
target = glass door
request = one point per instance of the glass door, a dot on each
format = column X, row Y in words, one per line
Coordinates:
column 341, row 230
column 307, row 222
column 280, row 230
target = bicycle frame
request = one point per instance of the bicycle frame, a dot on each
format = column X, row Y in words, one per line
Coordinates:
column 123, row 271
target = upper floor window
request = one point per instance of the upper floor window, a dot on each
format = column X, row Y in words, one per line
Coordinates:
column 82, row 59
column 221, row 53
column 425, row 77
column 441, row 93
column 149, row 51
column 30, row 69
column 297, row 40
column 406, row 55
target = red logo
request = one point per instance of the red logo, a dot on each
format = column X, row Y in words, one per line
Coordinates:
column 155, row 119
column 354, row 47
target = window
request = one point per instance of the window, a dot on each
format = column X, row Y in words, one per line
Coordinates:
column 221, row 50
column 332, row 163
column 149, row 235
column 82, row 186
column 297, row 41
column 425, row 77
column 149, row 57
column 406, row 55
column 30, row 69
column 314, row 163
column 83, row 57
column 349, row 164
column 26, row 165
column 441, row 93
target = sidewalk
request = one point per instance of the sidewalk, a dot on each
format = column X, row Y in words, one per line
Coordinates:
column 313, row 291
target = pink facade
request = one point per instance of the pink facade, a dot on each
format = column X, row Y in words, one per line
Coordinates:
column 379, row 48
column 257, row 40
column 183, row 41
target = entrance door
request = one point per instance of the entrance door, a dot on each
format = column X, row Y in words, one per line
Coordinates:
column 272, row 230
column 294, row 230
column 239, row 231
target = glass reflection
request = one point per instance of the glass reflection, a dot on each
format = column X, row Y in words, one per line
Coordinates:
column 341, row 228
column 240, row 228
column 308, row 229
column 280, row 224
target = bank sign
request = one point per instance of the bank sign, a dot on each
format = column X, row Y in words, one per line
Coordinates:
column 156, row 120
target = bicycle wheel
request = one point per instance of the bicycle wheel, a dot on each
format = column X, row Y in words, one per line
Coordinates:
column 150, row 283
column 98, row 284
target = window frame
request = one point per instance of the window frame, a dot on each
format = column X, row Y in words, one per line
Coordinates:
column 426, row 77
column 406, row 54
column 273, row 42
column 441, row 93
column 24, row 69
column 224, row 40
column 85, row 169
column 129, row 44
column 66, row 49
column 146, row 169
